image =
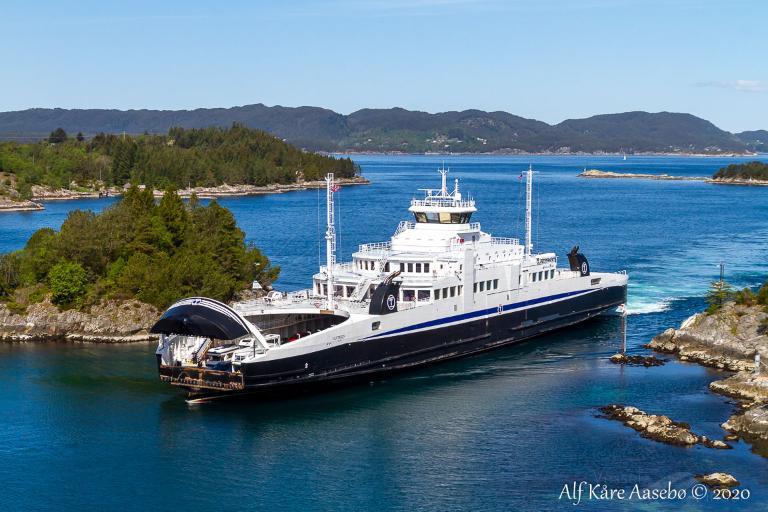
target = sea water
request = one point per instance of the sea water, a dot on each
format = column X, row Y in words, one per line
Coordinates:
column 89, row 427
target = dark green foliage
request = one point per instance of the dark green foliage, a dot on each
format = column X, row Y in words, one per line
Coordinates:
column 752, row 170
column 719, row 293
column 58, row 135
column 68, row 283
column 197, row 157
column 80, row 137
column 157, row 253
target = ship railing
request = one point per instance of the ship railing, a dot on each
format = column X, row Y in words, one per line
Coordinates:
column 339, row 267
column 375, row 246
column 404, row 226
column 505, row 241
column 306, row 296
column 440, row 202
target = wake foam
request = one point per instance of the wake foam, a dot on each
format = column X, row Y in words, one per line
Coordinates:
column 641, row 307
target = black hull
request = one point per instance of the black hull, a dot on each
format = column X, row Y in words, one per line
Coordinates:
column 375, row 357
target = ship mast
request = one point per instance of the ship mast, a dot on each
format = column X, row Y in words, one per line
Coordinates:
column 528, row 210
column 330, row 239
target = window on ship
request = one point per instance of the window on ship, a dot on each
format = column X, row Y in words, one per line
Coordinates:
column 442, row 217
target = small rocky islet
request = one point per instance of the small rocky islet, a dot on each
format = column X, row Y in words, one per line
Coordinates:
column 734, row 339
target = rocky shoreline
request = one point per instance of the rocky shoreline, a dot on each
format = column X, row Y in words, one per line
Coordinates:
column 253, row 190
column 43, row 193
column 107, row 322
column 11, row 205
column 598, row 174
column 729, row 340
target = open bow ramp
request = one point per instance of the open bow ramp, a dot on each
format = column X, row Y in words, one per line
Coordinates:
column 187, row 355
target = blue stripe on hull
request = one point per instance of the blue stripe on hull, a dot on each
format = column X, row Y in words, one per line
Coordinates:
column 482, row 312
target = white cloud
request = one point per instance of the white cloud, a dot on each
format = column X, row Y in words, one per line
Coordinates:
column 737, row 85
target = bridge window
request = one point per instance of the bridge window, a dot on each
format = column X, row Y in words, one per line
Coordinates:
column 426, row 267
column 533, row 277
column 410, row 268
column 402, row 267
column 474, row 288
column 540, row 275
column 552, row 274
column 423, row 295
column 461, row 288
column 488, row 285
column 453, row 291
column 386, row 267
column 482, row 286
column 442, row 217
column 418, row 267
column 495, row 284
column 409, row 295
column 445, row 293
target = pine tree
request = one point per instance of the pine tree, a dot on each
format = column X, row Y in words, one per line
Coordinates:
column 719, row 293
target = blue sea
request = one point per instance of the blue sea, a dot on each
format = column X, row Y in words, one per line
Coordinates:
column 89, row 427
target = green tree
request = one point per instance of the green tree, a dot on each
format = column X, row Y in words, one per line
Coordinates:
column 719, row 293
column 80, row 137
column 58, row 135
column 68, row 282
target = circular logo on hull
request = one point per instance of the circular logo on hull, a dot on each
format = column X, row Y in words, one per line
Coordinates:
column 391, row 302
column 584, row 267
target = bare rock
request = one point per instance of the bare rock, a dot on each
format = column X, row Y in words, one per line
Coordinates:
column 727, row 340
column 107, row 321
column 718, row 480
column 743, row 385
column 658, row 427
column 636, row 360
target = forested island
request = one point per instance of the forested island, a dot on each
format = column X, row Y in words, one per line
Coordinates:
column 138, row 252
column 205, row 157
column 756, row 170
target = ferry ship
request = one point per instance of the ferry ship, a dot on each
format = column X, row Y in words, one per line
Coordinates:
column 439, row 288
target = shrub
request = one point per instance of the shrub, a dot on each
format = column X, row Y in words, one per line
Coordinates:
column 68, row 282
column 762, row 294
column 745, row 297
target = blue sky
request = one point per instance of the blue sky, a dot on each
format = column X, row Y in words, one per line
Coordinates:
column 549, row 60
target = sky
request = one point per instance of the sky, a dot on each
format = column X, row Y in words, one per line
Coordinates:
column 547, row 60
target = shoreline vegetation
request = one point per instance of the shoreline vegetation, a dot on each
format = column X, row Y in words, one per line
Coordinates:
column 106, row 277
column 749, row 174
column 210, row 162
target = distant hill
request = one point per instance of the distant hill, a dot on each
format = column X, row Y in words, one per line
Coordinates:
column 756, row 140
column 397, row 129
